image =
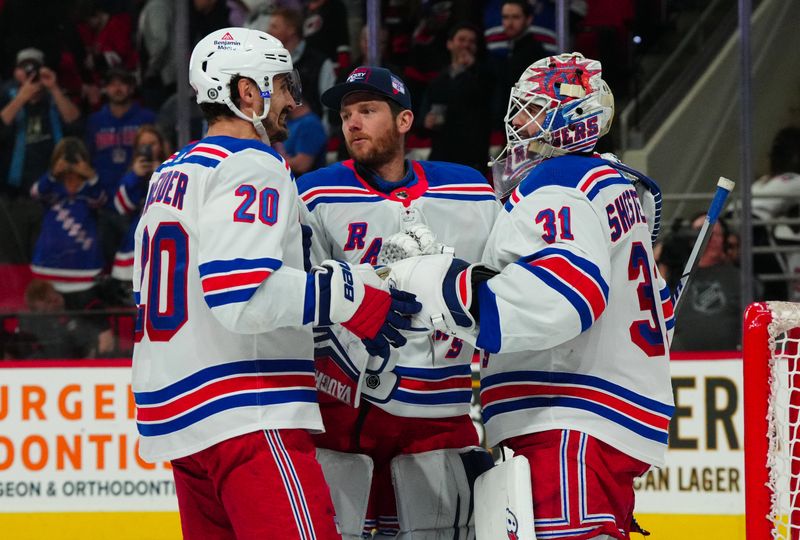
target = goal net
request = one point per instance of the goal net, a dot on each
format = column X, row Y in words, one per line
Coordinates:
column 772, row 401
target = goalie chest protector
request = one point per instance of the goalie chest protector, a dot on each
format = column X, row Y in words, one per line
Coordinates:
column 350, row 220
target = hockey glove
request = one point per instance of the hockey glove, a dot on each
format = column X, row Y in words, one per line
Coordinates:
column 416, row 240
column 357, row 298
column 445, row 287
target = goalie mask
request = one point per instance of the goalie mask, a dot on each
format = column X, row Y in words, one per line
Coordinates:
column 559, row 105
column 230, row 52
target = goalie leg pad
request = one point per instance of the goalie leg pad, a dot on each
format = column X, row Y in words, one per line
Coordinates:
column 504, row 501
column 434, row 492
column 349, row 477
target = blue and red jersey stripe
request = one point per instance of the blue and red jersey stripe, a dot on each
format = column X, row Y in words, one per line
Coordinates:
column 245, row 383
column 450, row 385
column 519, row 390
column 576, row 278
column 235, row 280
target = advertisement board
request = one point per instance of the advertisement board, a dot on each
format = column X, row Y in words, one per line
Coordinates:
column 68, row 442
column 69, row 466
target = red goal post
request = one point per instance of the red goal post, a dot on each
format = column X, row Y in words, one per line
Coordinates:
column 771, row 403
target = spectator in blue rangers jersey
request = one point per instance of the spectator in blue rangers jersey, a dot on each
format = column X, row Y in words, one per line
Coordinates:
column 415, row 413
column 110, row 132
column 223, row 368
column 575, row 310
column 67, row 253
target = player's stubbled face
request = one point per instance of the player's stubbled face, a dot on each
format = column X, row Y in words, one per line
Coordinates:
column 529, row 119
column 280, row 105
column 370, row 130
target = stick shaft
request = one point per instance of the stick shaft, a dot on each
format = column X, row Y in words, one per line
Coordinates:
column 724, row 187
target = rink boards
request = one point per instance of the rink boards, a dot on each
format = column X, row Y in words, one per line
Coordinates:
column 69, row 466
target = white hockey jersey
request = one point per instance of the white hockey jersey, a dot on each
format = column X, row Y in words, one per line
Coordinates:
column 350, row 219
column 579, row 313
column 220, row 349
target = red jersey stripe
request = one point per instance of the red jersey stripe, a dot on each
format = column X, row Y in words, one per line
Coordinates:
column 429, row 386
column 215, row 283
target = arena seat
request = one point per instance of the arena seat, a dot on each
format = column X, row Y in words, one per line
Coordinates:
column 14, row 279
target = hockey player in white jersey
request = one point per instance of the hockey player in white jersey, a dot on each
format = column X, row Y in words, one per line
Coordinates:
column 577, row 313
column 223, row 373
column 413, row 422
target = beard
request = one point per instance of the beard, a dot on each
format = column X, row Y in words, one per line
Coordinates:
column 119, row 99
column 382, row 149
column 276, row 128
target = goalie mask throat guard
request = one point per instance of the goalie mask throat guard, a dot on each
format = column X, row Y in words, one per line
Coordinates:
column 240, row 52
column 561, row 105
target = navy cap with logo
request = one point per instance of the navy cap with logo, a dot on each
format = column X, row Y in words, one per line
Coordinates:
column 374, row 80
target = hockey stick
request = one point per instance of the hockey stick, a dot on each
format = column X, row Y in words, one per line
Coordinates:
column 724, row 187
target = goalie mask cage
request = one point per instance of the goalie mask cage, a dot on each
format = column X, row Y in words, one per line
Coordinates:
column 771, row 403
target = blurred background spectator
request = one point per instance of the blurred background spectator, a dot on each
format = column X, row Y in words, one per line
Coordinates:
column 205, row 16
column 150, row 150
column 155, row 45
column 325, row 29
column 106, row 35
column 777, row 195
column 110, row 136
column 110, row 132
column 46, row 331
column 307, row 142
column 454, row 107
column 317, row 72
column 35, row 114
column 67, row 253
column 710, row 316
column 516, row 17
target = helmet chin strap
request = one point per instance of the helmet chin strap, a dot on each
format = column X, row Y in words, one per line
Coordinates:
column 258, row 123
column 255, row 119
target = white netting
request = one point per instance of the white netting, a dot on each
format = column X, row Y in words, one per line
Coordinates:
column 783, row 458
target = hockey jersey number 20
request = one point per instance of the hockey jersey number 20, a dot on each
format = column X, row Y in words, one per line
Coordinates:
column 220, row 346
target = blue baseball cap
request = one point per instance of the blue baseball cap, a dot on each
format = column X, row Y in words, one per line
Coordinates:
column 375, row 80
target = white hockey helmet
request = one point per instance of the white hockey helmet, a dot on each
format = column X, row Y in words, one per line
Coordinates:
column 577, row 103
column 230, row 52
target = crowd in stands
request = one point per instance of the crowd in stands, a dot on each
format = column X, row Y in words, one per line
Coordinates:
column 88, row 110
